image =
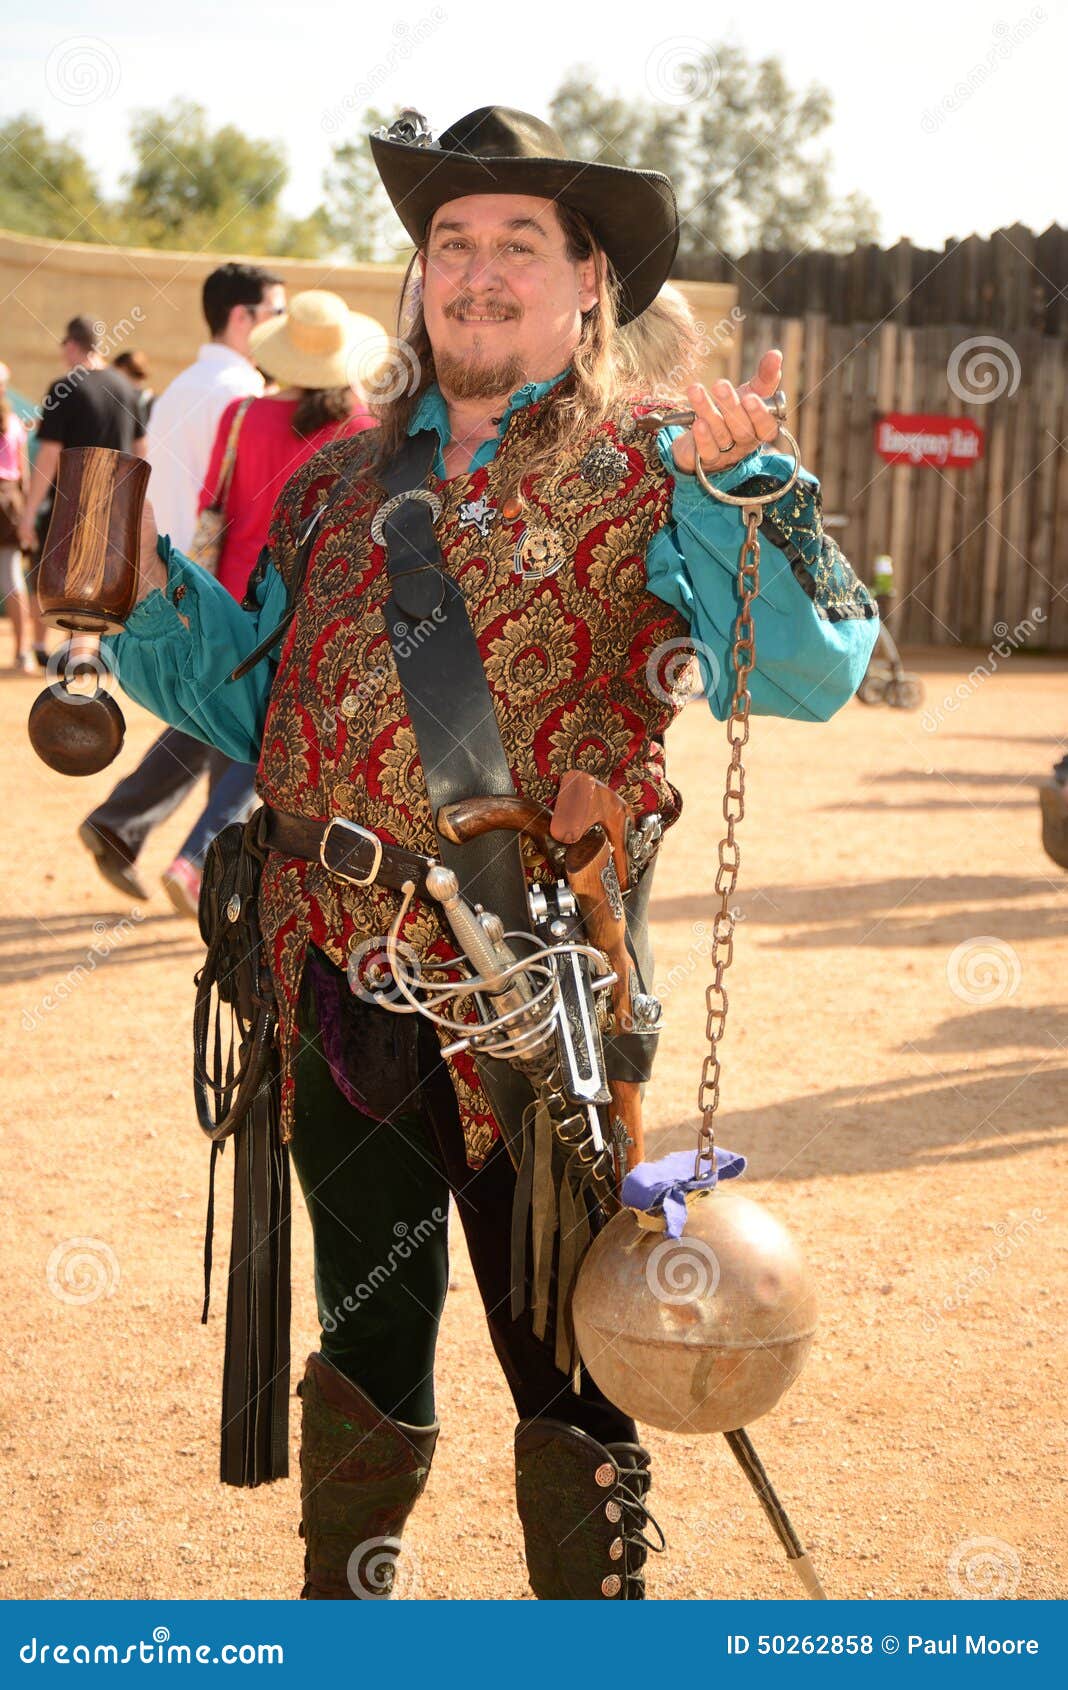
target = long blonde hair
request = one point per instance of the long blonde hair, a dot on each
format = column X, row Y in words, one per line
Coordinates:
column 598, row 381
column 662, row 350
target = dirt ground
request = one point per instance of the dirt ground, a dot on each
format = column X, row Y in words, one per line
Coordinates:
column 895, row 1069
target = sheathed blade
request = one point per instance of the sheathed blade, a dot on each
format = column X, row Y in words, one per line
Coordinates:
column 578, row 1036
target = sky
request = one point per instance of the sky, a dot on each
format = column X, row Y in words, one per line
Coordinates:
column 947, row 115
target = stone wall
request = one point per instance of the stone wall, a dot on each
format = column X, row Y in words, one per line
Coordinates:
column 150, row 300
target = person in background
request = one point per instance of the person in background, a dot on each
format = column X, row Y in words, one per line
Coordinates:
column 91, row 405
column 134, row 366
column 185, row 416
column 317, row 354
column 14, row 482
column 663, row 349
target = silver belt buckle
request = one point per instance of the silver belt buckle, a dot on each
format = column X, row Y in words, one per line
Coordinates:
column 364, row 833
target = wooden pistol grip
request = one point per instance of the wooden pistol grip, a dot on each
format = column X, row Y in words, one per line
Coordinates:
column 582, row 803
column 470, row 818
column 585, row 863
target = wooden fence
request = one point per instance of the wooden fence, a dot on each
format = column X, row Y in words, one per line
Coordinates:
column 972, row 548
column 1013, row 280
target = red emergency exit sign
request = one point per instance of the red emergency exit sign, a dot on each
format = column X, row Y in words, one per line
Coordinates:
column 944, row 442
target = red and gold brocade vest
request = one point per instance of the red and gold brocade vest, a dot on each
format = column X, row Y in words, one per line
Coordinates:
column 571, row 657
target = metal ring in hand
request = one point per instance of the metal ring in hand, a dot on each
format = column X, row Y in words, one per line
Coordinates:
column 750, row 499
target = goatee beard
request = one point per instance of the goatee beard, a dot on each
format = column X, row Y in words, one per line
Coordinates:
column 470, row 378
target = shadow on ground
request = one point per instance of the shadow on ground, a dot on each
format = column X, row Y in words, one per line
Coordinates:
column 878, row 911
column 896, row 1126
column 52, row 946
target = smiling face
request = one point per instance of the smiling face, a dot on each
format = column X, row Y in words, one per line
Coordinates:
column 502, row 297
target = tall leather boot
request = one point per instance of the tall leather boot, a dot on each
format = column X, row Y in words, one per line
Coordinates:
column 582, row 1505
column 361, row 1475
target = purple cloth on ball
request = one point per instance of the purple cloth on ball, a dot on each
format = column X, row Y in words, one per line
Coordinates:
column 662, row 1186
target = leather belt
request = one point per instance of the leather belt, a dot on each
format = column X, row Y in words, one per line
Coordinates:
column 349, row 852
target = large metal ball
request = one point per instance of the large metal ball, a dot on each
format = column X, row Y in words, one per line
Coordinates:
column 701, row 1333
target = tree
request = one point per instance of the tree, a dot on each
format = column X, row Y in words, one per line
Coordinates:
column 736, row 140
column 204, row 189
column 46, row 186
column 362, row 222
column 302, row 237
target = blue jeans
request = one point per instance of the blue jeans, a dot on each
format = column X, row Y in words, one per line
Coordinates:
column 230, row 800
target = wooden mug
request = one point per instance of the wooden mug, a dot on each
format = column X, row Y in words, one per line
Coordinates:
column 87, row 578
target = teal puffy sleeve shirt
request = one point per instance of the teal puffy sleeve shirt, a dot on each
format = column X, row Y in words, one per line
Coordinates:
column 815, row 623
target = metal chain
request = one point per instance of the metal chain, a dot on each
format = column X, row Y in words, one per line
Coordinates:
column 743, row 657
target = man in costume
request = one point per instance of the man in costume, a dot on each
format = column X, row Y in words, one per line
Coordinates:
column 512, row 499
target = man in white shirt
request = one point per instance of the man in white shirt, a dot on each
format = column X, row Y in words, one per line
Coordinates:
column 180, row 437
column 181, row 430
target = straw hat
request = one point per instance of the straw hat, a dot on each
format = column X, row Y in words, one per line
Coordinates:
column 319, row 342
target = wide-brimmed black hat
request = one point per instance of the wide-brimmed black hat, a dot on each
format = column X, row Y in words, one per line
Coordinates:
column 496, row 150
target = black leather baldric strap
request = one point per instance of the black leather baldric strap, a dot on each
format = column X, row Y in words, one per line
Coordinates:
column 445, row 688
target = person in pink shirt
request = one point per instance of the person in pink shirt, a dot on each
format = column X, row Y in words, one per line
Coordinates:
column 14, row 480
column 321, row 354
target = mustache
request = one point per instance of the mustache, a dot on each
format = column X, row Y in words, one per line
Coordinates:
column 461, row 309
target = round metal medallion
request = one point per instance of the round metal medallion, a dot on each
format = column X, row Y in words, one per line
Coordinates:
column 612, row 1585
column 233, row 907
column 539, row 552
column 605, row 1474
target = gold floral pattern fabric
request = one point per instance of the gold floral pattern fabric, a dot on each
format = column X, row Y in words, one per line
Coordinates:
column 568, row 658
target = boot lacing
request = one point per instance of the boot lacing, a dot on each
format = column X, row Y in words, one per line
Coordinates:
column 636, row 1514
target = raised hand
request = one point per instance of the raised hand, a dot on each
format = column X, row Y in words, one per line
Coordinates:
column 730, row 422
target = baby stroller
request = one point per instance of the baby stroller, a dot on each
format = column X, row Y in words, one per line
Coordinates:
column 886, row 681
